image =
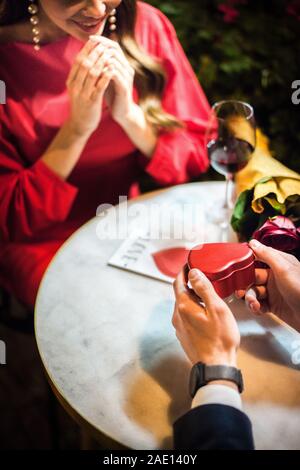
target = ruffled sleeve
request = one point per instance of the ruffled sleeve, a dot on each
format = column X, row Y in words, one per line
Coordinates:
column 31, row 198
column 182, row 154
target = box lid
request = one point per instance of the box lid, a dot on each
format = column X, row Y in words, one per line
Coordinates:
column 219, row 260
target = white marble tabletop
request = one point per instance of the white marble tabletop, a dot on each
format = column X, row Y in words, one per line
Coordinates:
column 108, row 346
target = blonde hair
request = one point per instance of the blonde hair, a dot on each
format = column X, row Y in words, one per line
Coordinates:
column 150, row 77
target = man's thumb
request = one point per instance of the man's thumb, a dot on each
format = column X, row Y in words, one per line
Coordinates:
column 203, row 287
column 268, row 255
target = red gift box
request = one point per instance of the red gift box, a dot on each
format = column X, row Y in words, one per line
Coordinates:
column 229, row 266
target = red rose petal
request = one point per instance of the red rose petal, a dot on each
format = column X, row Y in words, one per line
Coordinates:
column 283, row 222
column 280, row 233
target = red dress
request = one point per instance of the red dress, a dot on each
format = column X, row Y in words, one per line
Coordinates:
column 38, row 209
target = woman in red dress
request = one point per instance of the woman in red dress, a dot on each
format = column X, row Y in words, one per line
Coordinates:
column 97, row 92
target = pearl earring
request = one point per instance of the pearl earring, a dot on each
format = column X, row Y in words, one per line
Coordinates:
column 34, row 20
column 113, row 20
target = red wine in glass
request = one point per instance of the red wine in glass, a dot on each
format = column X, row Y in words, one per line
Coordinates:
column 229, row 157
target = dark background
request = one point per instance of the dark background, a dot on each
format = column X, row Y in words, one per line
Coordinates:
column 248, row 50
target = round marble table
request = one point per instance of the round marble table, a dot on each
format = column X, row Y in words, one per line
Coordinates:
column 109, row 349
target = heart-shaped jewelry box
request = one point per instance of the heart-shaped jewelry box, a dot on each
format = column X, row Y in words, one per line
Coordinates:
column 229, row 266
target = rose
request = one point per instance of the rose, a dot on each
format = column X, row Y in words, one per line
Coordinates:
column 293, row 9
column 279, row 233
column 230, row 11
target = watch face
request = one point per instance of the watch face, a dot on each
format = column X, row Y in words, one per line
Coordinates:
column 201, row 374
column 193, row 380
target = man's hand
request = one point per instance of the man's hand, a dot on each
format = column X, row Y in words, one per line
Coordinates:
column 277, row 289
column 206, row 328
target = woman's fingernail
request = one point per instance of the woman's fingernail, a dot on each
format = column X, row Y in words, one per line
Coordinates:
column 252, row 306
column 255, row 244
column 194, row 274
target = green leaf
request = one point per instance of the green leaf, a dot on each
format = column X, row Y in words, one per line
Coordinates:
column 241, row 205
column 276, row 204
column 244, row 219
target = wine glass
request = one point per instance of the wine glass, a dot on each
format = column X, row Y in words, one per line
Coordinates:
column 231, row 141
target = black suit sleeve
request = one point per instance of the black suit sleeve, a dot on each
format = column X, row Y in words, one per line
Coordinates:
column 213, row 427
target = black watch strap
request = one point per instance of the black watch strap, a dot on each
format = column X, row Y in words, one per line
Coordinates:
column 202, row 374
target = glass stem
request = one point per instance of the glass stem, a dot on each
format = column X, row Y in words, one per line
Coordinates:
column 227, row 207
column 228, row 195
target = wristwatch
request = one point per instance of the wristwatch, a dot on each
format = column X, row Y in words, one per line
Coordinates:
column 202, row 374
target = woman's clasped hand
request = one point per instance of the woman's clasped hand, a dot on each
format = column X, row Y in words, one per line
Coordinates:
column 101, row 72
